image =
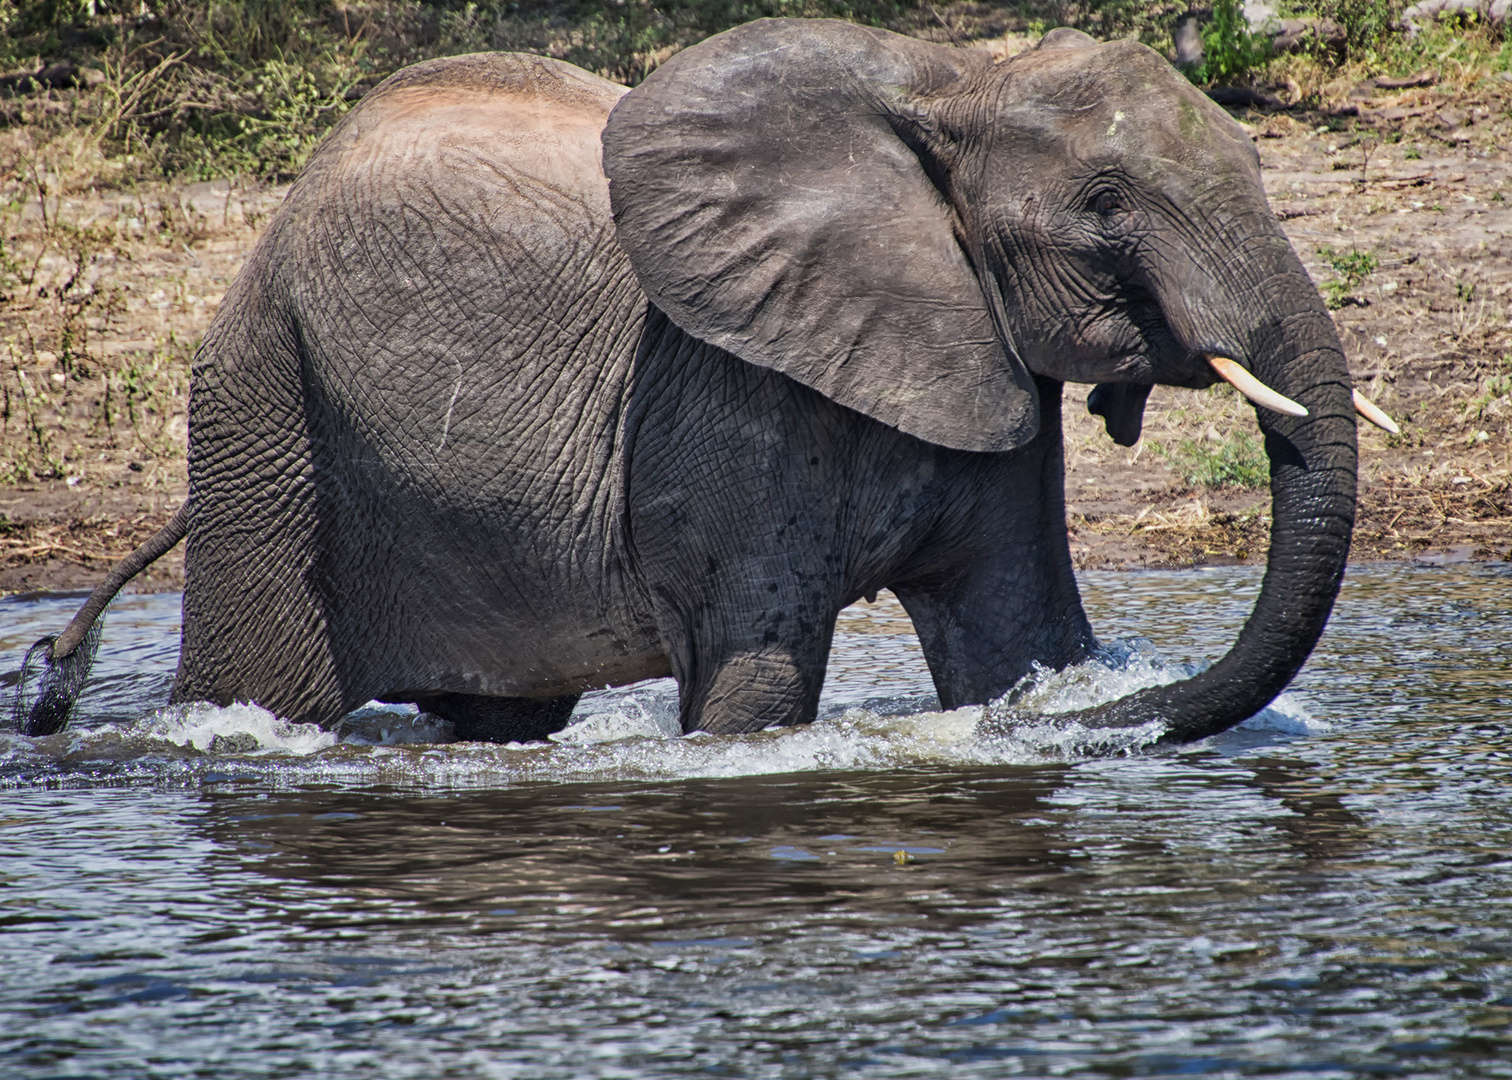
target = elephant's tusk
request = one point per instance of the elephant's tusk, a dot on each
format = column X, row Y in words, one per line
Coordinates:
column 1370, row 411
column 1230, row 372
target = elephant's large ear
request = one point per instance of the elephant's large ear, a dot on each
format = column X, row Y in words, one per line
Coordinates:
column 783, row 192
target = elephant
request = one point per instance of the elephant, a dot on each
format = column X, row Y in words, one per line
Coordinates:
column 536, row 384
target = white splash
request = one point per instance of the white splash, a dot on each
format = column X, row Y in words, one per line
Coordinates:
column 1286, row 716
column 636, row 714
column 1118, row 671
column 235, row 729
column 633, row 734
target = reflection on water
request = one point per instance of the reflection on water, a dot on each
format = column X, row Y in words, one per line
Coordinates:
column 891, row 893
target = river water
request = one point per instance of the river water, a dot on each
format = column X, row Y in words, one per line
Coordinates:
column 891, row 892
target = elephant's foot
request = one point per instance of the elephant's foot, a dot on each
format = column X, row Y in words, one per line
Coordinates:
column 475, row 718
column 750, row 692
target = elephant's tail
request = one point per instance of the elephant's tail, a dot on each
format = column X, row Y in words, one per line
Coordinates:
column 55, row 668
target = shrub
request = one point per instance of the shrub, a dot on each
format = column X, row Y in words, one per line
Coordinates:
column 1231, row 51
column 1370, row 26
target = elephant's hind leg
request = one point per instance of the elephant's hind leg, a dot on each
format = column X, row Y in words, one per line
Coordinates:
column 732, row 682
column 475, row 718
column 752, row 691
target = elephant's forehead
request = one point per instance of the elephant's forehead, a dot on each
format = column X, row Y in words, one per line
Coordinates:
column 1123, row 100
column 1181, row 135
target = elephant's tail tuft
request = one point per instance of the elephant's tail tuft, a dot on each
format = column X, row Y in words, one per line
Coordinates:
column 49, row 687
column 55, row 668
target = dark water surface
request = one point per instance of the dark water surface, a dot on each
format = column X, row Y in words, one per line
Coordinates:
column 892, row 892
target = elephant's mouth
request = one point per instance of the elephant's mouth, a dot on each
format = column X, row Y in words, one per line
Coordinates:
column 1121, row 404
column 1237, row 376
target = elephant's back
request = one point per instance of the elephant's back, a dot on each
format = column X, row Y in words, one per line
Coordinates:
column 535, row 120
column 467, row 169
column 463, row 205
column 467, row 324
column 450, row 257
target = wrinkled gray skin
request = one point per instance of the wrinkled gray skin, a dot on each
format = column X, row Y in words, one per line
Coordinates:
column 460, row 436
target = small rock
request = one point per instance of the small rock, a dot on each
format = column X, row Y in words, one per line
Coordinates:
column 1243, row 97
column 1422, row 78
column 1450, row 118
column 58, row 75
column 1290, row 35
column 1460, row 553
column 242, row 742
column 1188, row 44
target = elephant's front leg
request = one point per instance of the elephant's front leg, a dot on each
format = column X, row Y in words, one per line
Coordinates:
column 998, row 593
column 982, row 628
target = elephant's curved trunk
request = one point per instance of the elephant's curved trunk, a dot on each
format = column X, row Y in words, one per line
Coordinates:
column 1313, row 475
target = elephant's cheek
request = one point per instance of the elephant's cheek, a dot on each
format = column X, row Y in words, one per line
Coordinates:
column 1100, row 350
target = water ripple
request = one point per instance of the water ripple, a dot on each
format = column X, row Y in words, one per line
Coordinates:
column 892, row 892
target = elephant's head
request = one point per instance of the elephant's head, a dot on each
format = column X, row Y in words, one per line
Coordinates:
column 917, row 232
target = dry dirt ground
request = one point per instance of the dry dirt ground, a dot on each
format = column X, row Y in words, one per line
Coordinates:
column 107, row 291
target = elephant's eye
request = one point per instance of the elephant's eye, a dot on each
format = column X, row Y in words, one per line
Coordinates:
column 1105, row 203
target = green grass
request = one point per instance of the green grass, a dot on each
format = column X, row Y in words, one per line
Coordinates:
column 1237, row 460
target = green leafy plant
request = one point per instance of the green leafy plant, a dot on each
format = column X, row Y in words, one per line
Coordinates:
column 1238, row 459
column 1350, row 268
column 1231, row 51
column 1369, row 25
column 1494, row 387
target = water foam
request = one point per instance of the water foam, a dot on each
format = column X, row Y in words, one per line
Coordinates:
column 235, row 729
column 648, row 712
column 633, row 734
